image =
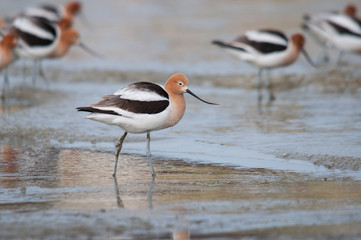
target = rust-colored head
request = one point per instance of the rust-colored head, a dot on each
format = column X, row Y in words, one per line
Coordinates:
column 177, row 84
column 298, row 40
column 9, row 41
column 1, row 22
column 73, row 7
column 64, row 24
column 350, row 10
column 68, row 38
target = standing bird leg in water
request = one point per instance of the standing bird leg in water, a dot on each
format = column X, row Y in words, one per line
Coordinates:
column 259, row 84
column 42, row 39
column 149, row 154
column 119, row 148
column 142, row 107
column 269, row 86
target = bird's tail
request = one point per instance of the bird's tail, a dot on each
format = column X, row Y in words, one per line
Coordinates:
column 85, row 109
column 219, row 43
column 96, row 110
column 227, row 45
column 306, row 17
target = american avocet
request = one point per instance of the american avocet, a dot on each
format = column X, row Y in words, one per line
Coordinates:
column 38, row 38
column 7, row 44
column 341, row 31
column 54, row 12
column 41, row 39
column 266, row 49
column 143, row 107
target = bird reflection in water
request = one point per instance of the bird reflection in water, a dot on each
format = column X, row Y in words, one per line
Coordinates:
column 120, row 203
column 179, row 234
column 9, row 166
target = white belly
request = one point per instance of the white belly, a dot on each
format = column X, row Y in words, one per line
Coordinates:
column 135, row 123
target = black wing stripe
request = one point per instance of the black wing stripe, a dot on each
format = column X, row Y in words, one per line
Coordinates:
column 95, row 110
column 265, row 47
column 342, row 30
column 142, row 107
column 134, row 106
column 45, row 24
column 225, row 45
column 32, row 40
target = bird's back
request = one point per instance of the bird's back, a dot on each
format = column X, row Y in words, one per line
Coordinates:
column 38, row 36
column 136, row 108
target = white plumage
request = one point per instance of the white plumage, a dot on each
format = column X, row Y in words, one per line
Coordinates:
column 24, row 24
column 30, row 50
column 266, row 49
column 335, row 30
column 142, row 107
column 261, row 36
column 133, row 93
column 39, row 11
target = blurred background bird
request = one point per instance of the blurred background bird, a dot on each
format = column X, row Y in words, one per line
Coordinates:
column 266, row 49
column 45, row 32
column 53, row 12
column 340, row 31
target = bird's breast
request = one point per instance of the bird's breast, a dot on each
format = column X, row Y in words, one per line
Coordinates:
column 177, row 109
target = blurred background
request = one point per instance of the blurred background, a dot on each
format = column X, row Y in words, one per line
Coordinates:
column 173, row 36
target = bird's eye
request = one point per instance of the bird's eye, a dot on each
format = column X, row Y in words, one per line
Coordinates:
column 180, row 84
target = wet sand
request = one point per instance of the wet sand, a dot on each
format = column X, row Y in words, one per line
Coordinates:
column 73, row 195
column 240, row 170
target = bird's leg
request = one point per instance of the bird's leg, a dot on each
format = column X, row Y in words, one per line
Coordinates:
column 259, row 85
column 150, row 193
column 6, row 84
column 339, row 58
column 35, row 72
column 42, row 74
column 6, row 78
column 269, row 87
column 148, row 154
column 24, row 71
column 119, row 147
column 323, row 57
column 120, row 203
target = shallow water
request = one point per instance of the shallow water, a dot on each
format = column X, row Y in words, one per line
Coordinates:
column 243, row 169
column 303, row 130
column 229, row 171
